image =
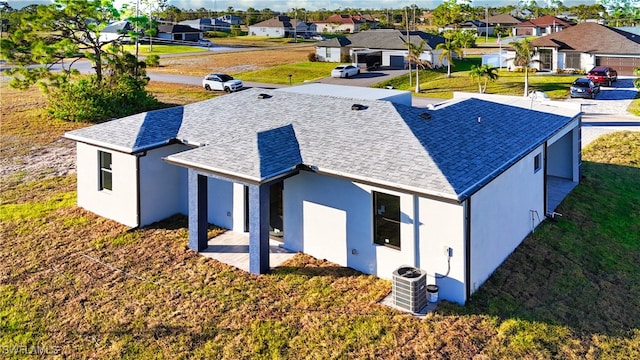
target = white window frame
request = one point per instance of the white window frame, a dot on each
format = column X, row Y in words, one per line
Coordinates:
column 105, row 170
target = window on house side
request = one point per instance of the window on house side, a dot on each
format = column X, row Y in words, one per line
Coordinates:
column 105, row 171
column 536, row 163
column 386, row 220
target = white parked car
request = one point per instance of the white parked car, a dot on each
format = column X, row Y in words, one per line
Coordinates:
column 221, row 82
column 344, row 71
column 205, row 42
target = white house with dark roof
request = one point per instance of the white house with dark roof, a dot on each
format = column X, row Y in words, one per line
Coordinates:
column 384, row 46
column 357, row 177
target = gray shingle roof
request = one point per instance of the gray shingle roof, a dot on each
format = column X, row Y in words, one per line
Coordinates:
column 384, row 39
column 451, row 155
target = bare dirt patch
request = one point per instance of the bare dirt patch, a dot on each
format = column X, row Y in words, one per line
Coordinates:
column 233, row 62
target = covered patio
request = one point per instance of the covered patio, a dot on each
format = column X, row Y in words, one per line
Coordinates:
column 232, row 248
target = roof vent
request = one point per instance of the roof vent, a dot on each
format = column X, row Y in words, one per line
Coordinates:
column 425, row 116
column 358, row 107
column 264, row 96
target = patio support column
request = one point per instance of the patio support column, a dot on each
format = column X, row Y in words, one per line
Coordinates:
column 198, row 223
column 258, row 229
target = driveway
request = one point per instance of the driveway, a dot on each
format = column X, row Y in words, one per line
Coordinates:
column 607, row 113
column 610, row 100
column 365, row 78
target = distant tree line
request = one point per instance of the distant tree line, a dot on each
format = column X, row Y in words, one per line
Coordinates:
column 620, row 12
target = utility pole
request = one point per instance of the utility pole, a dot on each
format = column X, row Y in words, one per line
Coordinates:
column 137, row 28
column 406, row 15
column 486, row 24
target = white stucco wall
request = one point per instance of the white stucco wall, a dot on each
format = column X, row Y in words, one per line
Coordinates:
column 442, row 225
column 501, row 216
column 220, row 202
column 565, row 152
column 331, row 218
column 333, row 55
column 267, row 31
column 163, row 189
column 119, row 204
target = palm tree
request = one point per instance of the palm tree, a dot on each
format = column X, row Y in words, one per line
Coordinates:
column 466, row 39
column 448, row 48
column 414, row 57
column 486, row 72
column 489, row 73
column 524, row 56
column 476, row 73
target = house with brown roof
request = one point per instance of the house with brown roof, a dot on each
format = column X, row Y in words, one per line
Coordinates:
column 586, row 45
column 339, row 23
column 544, row 25
column 504, row 21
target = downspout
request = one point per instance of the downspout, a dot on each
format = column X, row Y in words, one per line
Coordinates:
column 467, row 245
column 138, row 187
column 138, row 196
column 546, row 185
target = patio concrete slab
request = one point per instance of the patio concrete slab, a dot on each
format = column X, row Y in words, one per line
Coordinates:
column 232, row 248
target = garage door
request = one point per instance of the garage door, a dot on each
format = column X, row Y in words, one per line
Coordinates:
column 396, row 61
column 623, row 65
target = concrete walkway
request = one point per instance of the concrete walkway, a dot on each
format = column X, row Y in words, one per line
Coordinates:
column 232, row 248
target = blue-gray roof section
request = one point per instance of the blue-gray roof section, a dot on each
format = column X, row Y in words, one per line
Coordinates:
column 247, row 136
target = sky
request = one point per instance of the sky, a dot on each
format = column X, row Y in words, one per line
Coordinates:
column 284, row 5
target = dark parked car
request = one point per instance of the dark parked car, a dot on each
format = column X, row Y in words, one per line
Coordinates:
column 584, row 88
column 603, row 75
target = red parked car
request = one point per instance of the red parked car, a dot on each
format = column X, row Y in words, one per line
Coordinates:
column 603, row 75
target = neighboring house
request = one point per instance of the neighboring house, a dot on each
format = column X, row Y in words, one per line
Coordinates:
column 116, row 30
column 338, row 23
column 504, row 21
column 199, row 24
column 385, row 46
column 352, row 175
column 544, row 25
column 586, row 45
column 207, row 24
column 303, row 27
column 231, row 19
column 178, row 32
column 479, row 28
column 279, row 26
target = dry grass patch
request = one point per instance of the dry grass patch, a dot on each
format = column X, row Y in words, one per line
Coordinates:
column 232, row 63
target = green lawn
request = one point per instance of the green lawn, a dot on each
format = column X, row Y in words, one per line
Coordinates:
column 143, row 49
column 434, row 83
column 279, row 74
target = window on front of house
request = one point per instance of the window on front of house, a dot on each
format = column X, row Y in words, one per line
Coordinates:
column 105, row 171
column 386, row 219
column 537, row 164
column 328, row 53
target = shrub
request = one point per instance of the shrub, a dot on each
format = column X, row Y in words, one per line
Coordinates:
column 313, row 57
column 90, row 100
column 345, row 58
column 152, row 60
column 636, row 83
